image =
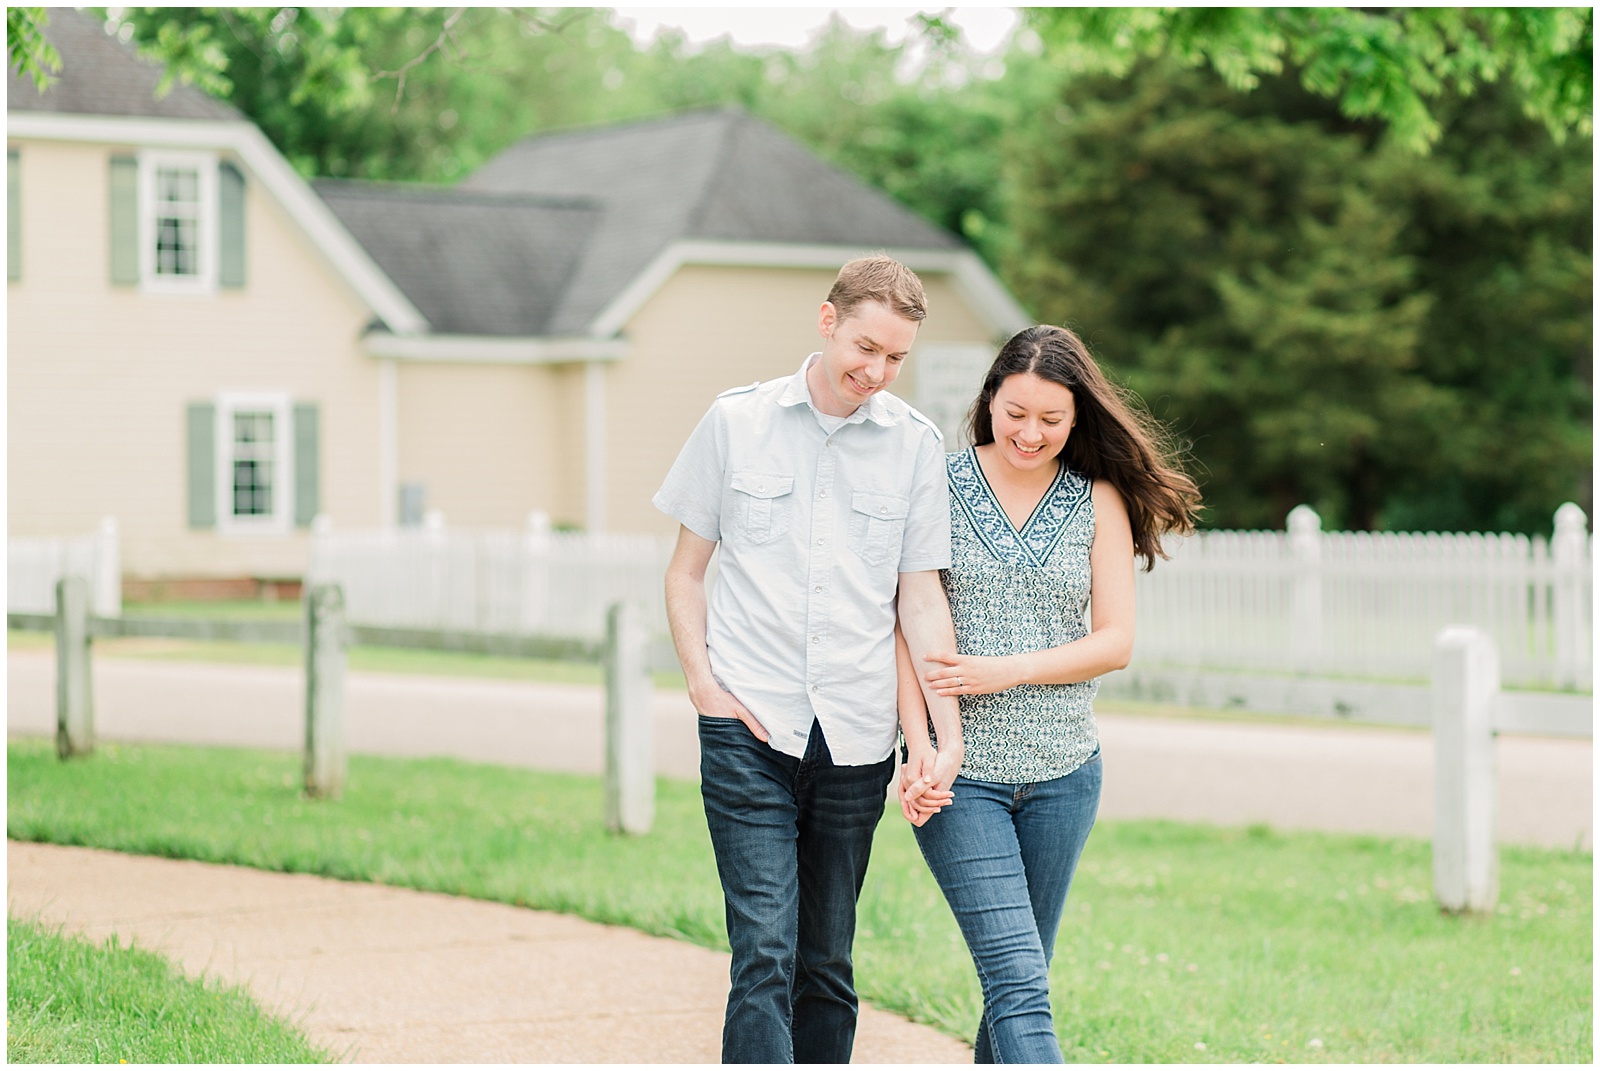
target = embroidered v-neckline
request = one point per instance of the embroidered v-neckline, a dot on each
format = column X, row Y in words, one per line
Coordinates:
column 1033, row 543
column 994, row 496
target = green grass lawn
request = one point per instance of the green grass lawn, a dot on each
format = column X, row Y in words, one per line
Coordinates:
column 69, row 1000
column 1181, row 943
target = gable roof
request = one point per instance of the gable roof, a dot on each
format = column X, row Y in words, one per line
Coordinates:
column 102, row 76
column 473, row 263
column 719, row 175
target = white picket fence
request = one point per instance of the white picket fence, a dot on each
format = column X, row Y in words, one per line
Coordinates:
column 1303, row 602
column 34, row 564
column 1368, row 604
column 530, row 581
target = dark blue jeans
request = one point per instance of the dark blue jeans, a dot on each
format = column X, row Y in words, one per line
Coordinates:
column 792, row 838
column 1004, row 856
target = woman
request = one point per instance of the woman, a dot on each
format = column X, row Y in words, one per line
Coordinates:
column 1065, row 484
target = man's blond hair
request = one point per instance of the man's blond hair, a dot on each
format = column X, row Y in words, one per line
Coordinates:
column 881, row 279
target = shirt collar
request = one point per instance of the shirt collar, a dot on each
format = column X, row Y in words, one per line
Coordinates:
column 798, row 392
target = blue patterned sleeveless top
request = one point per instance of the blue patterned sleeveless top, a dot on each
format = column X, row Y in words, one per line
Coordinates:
column 1012, row 591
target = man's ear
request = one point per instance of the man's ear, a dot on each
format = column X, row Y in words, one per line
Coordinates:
column 827, row 319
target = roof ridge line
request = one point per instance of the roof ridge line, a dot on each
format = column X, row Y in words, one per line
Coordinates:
column 601, row 126
column 702, row 204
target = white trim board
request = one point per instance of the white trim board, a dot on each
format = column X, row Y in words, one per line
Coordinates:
column 1542, row 713
column 483, row 349
column 972, row 277
column 266, row 164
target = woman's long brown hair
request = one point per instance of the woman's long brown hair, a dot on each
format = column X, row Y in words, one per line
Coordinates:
column 1113, row 439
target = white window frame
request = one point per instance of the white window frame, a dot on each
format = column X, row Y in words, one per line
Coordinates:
column 281, row 406
column 208, row 248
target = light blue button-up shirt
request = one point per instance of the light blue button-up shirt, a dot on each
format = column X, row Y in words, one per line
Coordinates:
column 815, row 529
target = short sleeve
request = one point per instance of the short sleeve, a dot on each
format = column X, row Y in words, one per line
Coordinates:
column 692, row 491
column 927, row 539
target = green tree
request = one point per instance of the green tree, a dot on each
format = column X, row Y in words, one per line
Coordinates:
column 27, row 51
column 1385, row 63
column 1298, row 294
column 389, row 93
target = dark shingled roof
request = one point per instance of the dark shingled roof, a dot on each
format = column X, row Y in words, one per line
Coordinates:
column 718, row 174
column 473, row 263
column 102, row 76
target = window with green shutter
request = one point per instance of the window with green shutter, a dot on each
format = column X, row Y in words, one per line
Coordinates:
column 307, row 464
column 124, row 221
column 254, row 463
column 202, row 434
column 230, row 224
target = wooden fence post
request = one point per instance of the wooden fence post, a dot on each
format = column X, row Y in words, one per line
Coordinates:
column 74, row 696
column 630, row 736
column 1466, row 681
column 324, row 640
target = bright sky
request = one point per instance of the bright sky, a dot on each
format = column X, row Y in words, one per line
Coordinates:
column 985, row 28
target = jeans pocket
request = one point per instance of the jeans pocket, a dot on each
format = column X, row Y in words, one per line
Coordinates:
column 877, row 525
column 761, row 505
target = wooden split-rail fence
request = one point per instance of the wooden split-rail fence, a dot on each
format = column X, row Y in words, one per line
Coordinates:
column 1464, row 697
column 627, row 654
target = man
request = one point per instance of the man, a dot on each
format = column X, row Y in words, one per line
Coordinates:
column 828, row 498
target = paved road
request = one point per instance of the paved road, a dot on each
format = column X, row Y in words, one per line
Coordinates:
column 383, row 975
column 1338, row 778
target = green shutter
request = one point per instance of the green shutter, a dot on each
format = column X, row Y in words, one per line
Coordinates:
column 124, row 221
column 13, row 215
column 307, row 485
column 202, row 465
column 230, row 212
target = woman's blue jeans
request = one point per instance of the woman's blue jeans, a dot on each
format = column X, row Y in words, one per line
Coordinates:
column 1004, row 856
column 792, row 837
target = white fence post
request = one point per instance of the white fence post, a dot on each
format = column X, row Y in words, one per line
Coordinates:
column 630, row 737
column 1566, row 552
column 324, row 640
column 107, row 570
column 535, row 571
column 74, row 697
column 1466, row 680
column 1305, row 545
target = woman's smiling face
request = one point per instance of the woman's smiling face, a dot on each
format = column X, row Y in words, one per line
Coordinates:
column 1032, row 418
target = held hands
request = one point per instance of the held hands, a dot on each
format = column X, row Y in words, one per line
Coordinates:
column 925, row 780
column 959, row 674
column 714, row 701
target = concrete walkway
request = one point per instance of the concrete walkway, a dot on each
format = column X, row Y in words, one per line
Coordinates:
column 383, row 975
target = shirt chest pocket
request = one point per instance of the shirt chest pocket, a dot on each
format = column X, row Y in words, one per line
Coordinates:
column 761, row 504
column 877, row 525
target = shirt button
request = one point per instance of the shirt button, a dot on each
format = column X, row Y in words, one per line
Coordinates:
column 822, row 494
column 820, row 542
column 883, row 509
column 816, row 639
column 817, row 589
column 815, row 689
column 830, row 444
column 760, row 488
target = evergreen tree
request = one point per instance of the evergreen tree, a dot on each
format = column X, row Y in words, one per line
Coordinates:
column 1292, row 289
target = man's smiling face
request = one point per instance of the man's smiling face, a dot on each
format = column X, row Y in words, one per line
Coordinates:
column 861, row 355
